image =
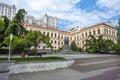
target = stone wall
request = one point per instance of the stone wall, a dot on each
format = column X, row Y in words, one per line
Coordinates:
column 33, row 67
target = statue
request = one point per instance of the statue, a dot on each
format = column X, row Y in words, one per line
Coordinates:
column 66, row 41
column 66, row 48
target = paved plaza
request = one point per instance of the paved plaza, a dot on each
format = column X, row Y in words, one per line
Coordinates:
column 86, row 67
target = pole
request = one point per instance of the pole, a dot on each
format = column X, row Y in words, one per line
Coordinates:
column 10, row 47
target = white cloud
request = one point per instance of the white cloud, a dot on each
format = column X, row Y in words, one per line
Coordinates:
column 114, row 5
column 65, row 10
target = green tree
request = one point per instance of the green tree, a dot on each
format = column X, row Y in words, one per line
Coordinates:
column 6, row 22
column 109, row 44
column 16, row 25
column 1, row 32
column 90, row 44
column 13, row 43
column 97, row 44
column 36, row 37
column 118, row 32
column 73, row 46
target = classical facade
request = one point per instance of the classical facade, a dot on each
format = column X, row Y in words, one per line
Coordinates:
column 7, row 10
column 77, row 35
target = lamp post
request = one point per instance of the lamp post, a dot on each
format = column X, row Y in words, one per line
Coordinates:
column 11, row 36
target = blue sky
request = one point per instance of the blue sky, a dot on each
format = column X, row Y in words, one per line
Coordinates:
column 72, row 13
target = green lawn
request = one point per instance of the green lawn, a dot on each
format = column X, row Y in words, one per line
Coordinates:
column 33, row 59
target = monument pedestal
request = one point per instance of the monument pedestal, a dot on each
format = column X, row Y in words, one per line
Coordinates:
column 66, row 49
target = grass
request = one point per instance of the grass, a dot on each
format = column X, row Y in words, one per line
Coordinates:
column 33, row 59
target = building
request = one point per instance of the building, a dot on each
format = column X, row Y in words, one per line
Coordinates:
column 7, row 10
column 57, row 36
column 44, row 21
column 49, row 21
column 31, row 20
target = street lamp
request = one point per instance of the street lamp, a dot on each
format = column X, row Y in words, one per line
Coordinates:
column 11, row 37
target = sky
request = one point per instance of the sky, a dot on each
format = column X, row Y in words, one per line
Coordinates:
column 72, row 13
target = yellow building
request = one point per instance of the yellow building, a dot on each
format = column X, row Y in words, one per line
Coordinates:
column 79, row 35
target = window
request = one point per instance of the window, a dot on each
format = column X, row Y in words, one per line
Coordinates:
column 82, row 35
column 55, row 42
column 51, row 34
column 38, row 46
column 43, row 32
column 105, row 31
column 94, row 32
column 61, row 37
column 86, row 34
column 68, row 38
column 61, row 42
column 58, row 36
column 55, row 35
column 58, row 42
column 110, row 32
column 48, row 33
column 75, row 38
column 98, row 31
column 90, row 33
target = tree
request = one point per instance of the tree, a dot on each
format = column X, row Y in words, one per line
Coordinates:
column 73, row 46
column 1, row 31
column 6, row 22
column 36, row 37
column 109, row 44
column 90, row 44
column 13, row 43
column 118, row 32
column 97, row 44
column 16, row 25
